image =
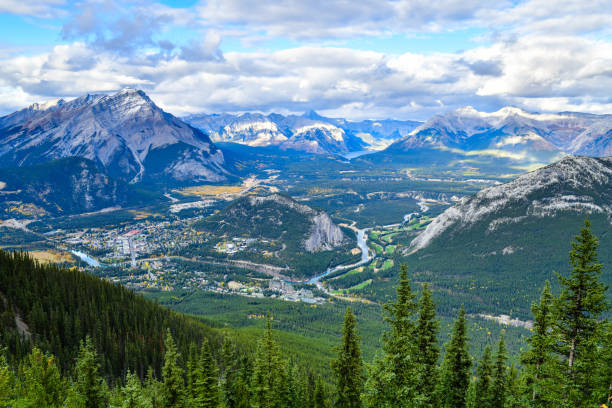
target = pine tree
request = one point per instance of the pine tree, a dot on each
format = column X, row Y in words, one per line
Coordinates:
column 320, row 397
column 348, row 367
column 500, row 376
column 132, row 395
column 457, row 366
column 580, row 305
column 605, row 368
column 7, row 381
column 88, row 385
column 392, row 379
column 40, row 382
column 484, row 374
column 538, row 359
column 154, row 389
column 267, row 368
column 192, row 369
column 428, row 350
column 206, row 387
column 172, row 373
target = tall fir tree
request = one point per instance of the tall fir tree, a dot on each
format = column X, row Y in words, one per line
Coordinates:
column 172, row 373
column 348, row 367
column 499, row 384
column 206, row 386
column 484, row 374
column 191, row 371
column 456, row 367
column 90, row 388
column 392, row 378
column 267, row 368
column 578, row 328
column 427, row 351
column 537, row 360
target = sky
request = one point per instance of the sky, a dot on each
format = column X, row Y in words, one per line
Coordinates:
column 366, row 59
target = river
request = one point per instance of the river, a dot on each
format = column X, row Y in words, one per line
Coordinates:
column 366, row 257
column 86, row 258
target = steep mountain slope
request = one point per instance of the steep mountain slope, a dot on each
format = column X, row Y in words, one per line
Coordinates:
column 126, row 133
column 309, row 132
column 56, row 308
column 60, row 187
column 512, row 132
column 307, row 240
column 493, row 250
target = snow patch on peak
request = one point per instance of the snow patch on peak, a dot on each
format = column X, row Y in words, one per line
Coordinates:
column 335, row 132
column 46, row 105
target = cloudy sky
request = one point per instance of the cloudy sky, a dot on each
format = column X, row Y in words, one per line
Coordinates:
column 404, row 59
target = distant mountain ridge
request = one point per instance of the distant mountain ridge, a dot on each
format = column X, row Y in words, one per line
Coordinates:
column 580, row 185
column 513, row 132
column 125, row 133
column 309, row 132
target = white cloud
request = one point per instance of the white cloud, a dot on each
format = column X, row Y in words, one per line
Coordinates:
column 35, row 8
column 549, row 62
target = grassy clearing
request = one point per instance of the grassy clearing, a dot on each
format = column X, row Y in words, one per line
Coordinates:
column 51, row 256
column 205, row 190
column 387, row 264
column 390, row 249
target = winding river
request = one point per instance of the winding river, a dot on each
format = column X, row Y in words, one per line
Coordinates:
column 366, row 257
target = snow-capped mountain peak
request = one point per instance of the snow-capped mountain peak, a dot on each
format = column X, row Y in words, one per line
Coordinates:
column 125, row 132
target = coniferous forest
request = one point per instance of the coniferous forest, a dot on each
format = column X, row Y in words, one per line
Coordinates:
column 72, row 340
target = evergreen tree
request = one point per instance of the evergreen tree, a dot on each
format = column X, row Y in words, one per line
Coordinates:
column 538, row 359
column 428, row 350
column 7, row 381
column 132, row 394
column 500, row 376
column 172, row 373
column 154, row 389
column 392, row 379
column 484, row 373
column 40, row 382
column 320, row 397
column 206, row 387
column 192, row 369
column 89, row 386
column 267, row 369
column 457, row 366
column 578, row 328
column 348, row 367
column 515, row 398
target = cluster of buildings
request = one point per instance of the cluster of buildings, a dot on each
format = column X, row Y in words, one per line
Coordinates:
column 135, row 240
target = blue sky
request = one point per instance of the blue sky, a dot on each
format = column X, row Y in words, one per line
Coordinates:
column 405, row 59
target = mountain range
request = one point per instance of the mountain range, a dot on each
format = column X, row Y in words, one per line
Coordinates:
column 512, row 133
column 309, row 132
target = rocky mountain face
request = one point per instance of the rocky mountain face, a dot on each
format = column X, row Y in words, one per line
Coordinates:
column 61, row 187
column 494, row 250
column 125, row 133
column 514, row 133
column 279, row 217
column 310, row 132
column 581, row 185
